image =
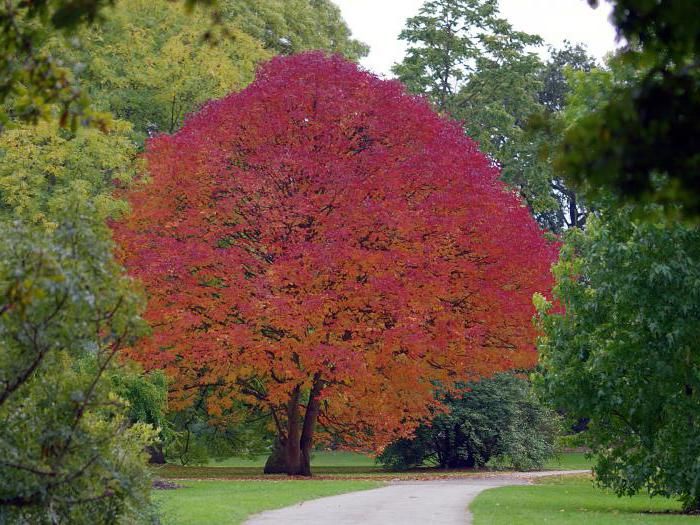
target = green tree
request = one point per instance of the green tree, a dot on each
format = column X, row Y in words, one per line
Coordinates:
column 557, row 206
column 642, row 143
column 37, row 74
column 495, row 103
column 68, row 453
column 71, row 450
column 43, row 169
column 556, row 86
column 620, row 348
column 474, row 66
column 147, row 398
column 198, row 435
column 495, row 419
column 147, row 61
column 34, row 79
column 450, row 39
column 292, row 26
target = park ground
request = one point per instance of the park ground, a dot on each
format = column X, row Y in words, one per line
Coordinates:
column 229, row 491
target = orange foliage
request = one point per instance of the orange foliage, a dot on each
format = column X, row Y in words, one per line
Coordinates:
column 324, row 228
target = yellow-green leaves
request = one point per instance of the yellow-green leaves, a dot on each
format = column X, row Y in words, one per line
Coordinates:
column 43, row 169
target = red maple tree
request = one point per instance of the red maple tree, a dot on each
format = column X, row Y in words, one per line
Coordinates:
column 323, row 245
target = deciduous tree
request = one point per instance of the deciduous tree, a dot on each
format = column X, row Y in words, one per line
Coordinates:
column 325, row 246
column 642, row 143
column 68, row 452
column 473, row 65
column 497, row 420
column 624, row 354
column 447, row 39
column 148, row 61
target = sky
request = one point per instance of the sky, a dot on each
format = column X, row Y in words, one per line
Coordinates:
column 379, row 22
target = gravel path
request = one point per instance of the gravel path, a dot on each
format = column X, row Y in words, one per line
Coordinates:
column 435, row 502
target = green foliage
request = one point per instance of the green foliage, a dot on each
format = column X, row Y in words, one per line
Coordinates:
column 70, row 449
column 476, row 67
column 501, row 104
column 621, row 349
column 197, row 437
column 641, row 143
column 449, row 40
column 149, row 64
column 495, row 104
column 556, row 205
column 292, row 26
column 67, row 450
column 203, row 53
column 146, row 394
column 152, row 62
column 495, row 420
column 32, row 78
column 556, row 87
column 44, row 170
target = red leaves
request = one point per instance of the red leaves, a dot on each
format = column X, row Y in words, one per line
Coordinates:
column 323, row 221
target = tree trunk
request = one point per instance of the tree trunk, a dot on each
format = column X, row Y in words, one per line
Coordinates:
column 277, row 462
column 307, row 434
column 292, row 446
column 292, row 453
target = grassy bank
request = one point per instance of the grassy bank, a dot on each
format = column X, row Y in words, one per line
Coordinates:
column 228, row 491
column 571, row 501
column 569, row 461
column 231, row 502
column 339, row 465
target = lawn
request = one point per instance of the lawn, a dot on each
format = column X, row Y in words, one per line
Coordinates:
column 338, row 465
column 231, row 502
column 571, row 501
column 330, row 458
column 206, row 500
column 569, row 461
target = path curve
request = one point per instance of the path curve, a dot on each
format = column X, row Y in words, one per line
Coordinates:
column 434, row 502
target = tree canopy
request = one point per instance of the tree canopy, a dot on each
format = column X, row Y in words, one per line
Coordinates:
column 641, row 143
column 132, row 49
column 474, row 66
column 151, row 62
column 446, row 42
column 621, row 350
column 68, row 451
column 301, row 249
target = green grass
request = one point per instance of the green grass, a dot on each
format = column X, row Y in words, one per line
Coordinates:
column 569, row 461
column 331, row 458
column 571, row 501
column 322, row 473
column 231, row 502
column 337, row 465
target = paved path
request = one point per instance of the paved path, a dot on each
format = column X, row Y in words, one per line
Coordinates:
column 435, row 502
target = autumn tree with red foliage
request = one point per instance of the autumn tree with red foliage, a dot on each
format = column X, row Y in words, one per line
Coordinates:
column 324, row 245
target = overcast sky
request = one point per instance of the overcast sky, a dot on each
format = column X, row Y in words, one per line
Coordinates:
column 378, row 23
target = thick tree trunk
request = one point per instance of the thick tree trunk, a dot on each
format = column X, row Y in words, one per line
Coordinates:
column 292, row 453
column 292, row 446
column 277, row 462
column 307, row 434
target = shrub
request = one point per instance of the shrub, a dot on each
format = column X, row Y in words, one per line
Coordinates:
column 494, row 420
